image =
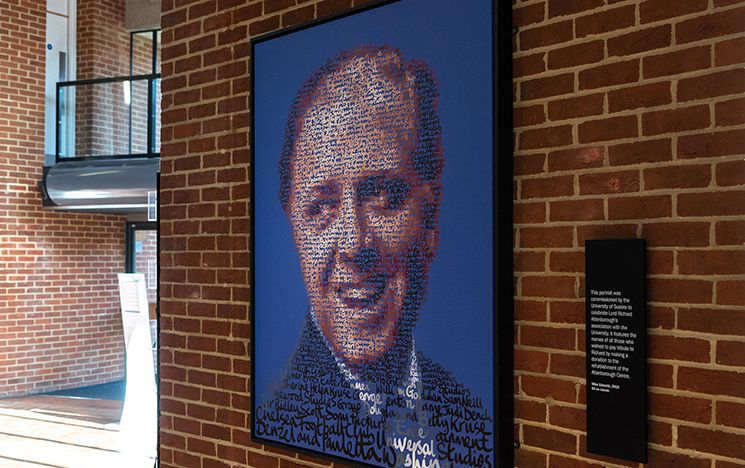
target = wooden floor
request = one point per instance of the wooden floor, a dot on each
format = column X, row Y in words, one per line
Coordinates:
column 53, row 431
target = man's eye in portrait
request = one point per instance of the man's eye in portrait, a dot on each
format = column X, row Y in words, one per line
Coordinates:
column 382, row 193
column 322, row 205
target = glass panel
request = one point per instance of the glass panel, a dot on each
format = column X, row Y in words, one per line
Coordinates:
column 157, row 57
column 102, row 119
column 156, row 126
column 65, row 131
column 142, row 53
column 146, row 260
column 139, row 117
column 110, row 119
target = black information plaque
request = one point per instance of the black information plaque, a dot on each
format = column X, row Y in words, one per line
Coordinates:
column 616, row 318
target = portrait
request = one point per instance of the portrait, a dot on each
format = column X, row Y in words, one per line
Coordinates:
column 373, row 306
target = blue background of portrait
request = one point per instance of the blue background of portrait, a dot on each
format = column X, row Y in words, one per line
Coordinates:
column 454, row 39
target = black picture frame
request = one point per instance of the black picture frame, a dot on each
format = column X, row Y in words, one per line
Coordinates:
column 501, row 229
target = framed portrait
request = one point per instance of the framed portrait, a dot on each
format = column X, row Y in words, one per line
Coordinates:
column 381, row 217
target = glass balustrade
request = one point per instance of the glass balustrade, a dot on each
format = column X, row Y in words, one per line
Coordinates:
column 108, row 117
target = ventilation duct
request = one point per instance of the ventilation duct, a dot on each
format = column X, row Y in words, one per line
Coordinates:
column 100, row 186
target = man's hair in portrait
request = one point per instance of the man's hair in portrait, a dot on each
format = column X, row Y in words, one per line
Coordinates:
column 413, row 78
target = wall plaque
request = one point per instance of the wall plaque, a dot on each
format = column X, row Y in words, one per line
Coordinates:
column 616, row 318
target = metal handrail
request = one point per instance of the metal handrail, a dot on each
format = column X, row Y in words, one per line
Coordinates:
column 151, row 150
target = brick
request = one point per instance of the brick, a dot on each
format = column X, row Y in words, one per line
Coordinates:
column 529, row 14
column 640, row 152
column 714, row 321
column 710, row 26
column 609, row 182
column 676, row 234
column 709, row 145
column 547, row 187
column 530, row 361
column 545, row 137
column 576, row 210
column 675, row 120
column 529, row 261
column 721, row 3
column 648, row 95
column 529, row 213
column 711, row 203
column 656, row 10
column 660, row 262
column 528, row 64
column 731, row 292
column 712, row 85
column 568, row 262
column 682, row 291
column 730, row 353
column 574, row 107
column 545, row 87
column 614, row 128
column 567, row 312
column 258, row 459
column 530, row 410
column 541, row 237
column 677, row 62
column 612, row 74
column 711, row 262
column 528, row 115
column 641, row 40
column 660, row 433
column 660, row 375
column 729, row 52
column 529, row 164
column 576, row 158
column 546, row 35
column 730, row 233
column 661, row 317
column 534, row 311
column 567, row 364
column 549, row 439
column 712, row 441
column 297, row 16
column 606, row 21
column 660, row 458
column 564, row 7
column 605, row 231
column 525, row 457
column 546, row 387
column 559, row 461
column 730, row 414
column 579, row 54
column 679, row 176
column 730, row 173
column 676, row 348
column 729, row 112
column 263, row 26
column 549, row 286
column 277, row 5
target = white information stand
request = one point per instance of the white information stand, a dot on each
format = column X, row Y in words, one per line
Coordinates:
column 138, row 427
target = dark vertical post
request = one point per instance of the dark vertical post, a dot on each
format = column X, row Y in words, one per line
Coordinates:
column 131, row 88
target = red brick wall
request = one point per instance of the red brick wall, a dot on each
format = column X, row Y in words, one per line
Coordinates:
column 627, row 124
column 59, row 311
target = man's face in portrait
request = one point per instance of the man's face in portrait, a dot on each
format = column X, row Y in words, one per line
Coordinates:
column 363, row 220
